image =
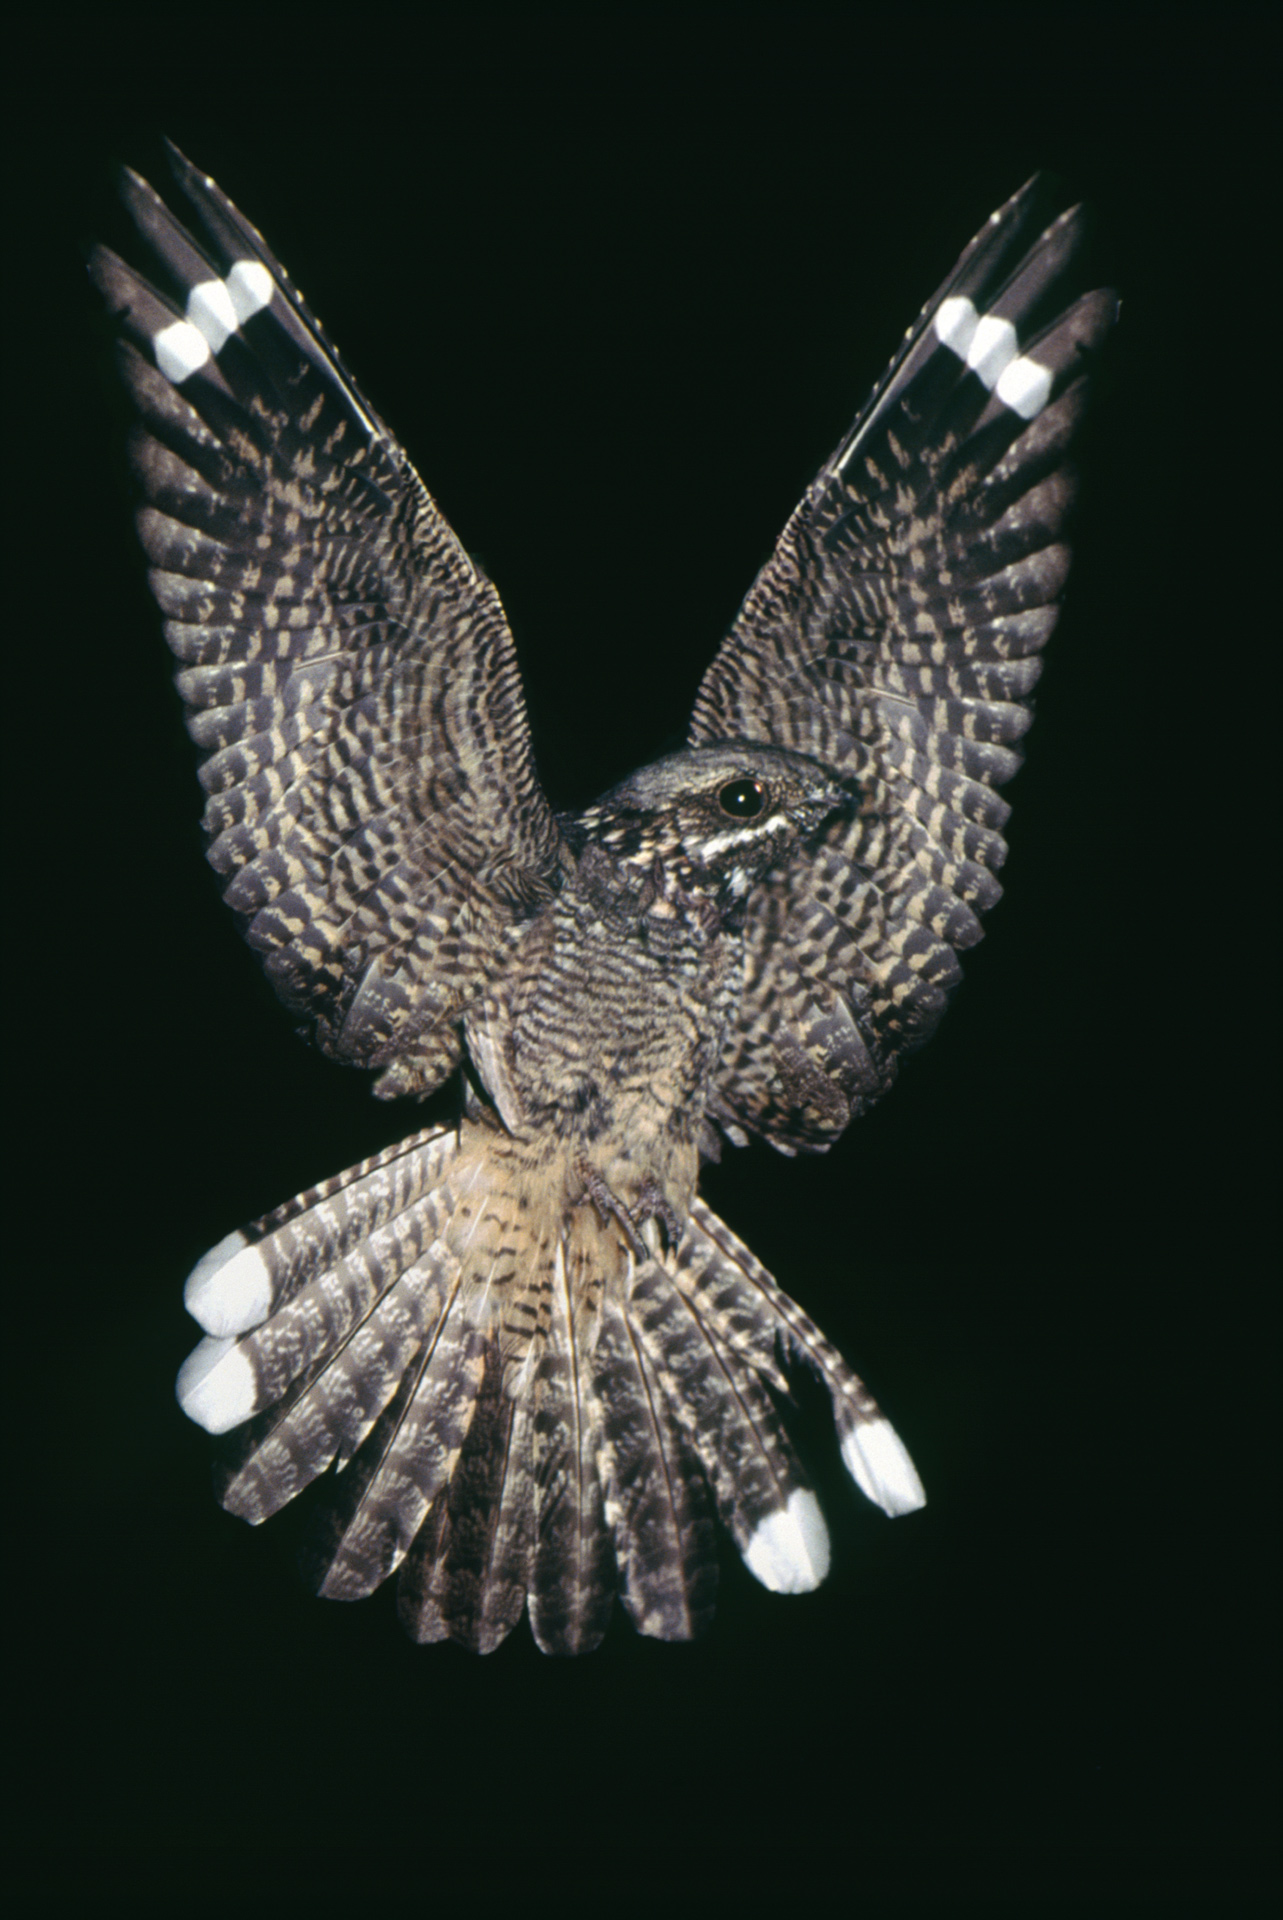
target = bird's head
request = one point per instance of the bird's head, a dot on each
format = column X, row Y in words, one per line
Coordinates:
column 717, row 817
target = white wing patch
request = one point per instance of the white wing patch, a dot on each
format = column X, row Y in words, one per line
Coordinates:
column 990, row 349
column 215, row 310
column 250, row 288
column 180, row 349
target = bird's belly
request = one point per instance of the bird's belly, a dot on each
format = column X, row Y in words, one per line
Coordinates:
column 613, row 1052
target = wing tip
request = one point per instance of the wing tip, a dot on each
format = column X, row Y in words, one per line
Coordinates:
column 185, row 171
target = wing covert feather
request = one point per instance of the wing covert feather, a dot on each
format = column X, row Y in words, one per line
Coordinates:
column 895, row 635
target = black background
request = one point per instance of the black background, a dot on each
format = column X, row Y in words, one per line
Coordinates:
column 619, row 282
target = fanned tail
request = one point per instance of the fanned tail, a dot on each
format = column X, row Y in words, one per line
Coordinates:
column 467, row 1577
column 573, row 1570
column 752, row 1309
column 526, row 1413
column 736, row 1433
column 408, row 1460
column 657, row 1504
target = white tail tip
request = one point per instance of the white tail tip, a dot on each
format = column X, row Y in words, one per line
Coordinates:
column 229, row 1290
column 789, row 1553
column 878, row 1462
column 216, row 1386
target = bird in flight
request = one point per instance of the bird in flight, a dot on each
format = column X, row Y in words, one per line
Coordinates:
column 535, row 1361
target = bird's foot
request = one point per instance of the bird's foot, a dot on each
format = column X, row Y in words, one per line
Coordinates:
column 610, row 1208
column 653, row 1204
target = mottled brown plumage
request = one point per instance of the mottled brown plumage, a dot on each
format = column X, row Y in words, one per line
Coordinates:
column 539, row 1359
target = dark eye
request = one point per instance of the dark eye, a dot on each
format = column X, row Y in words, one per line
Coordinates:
column 742, row 799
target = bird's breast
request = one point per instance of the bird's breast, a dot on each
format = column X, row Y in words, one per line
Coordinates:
column 609, row 1037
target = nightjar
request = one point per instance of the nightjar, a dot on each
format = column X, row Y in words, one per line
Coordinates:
column 541, row 1363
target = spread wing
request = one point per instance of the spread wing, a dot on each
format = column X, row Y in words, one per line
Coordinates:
column 895, row 634
column 373, row 803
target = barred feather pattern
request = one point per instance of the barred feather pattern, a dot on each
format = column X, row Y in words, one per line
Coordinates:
column 550, row 1459
column 467, row 1576
column 895, row 634
column 350, row 676
column 535, row 1365
column 656, row 1501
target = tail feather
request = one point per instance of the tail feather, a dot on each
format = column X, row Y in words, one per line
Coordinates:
column 226, row 1380
column 656, row 1502
column 875, row 1456
column 252, row 1273
column 523, row 1416
column 737, row 1434
column 342, row 1395
column 401, row 1470
column 729, row 1301
column 467, row 1575
column 572, row 1587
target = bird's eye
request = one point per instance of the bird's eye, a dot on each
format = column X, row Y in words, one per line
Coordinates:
column 742, row 799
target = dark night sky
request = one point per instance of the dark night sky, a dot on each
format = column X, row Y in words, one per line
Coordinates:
column 619, row 284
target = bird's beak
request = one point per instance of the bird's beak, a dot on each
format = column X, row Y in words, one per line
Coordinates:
column 816, row 811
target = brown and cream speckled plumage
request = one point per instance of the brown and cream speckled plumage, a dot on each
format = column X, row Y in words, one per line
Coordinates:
column 542, row 1363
